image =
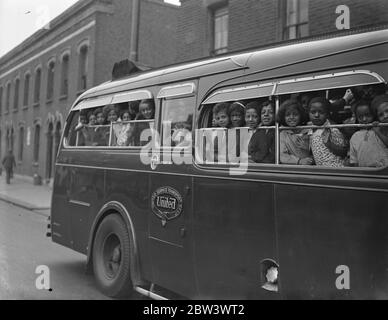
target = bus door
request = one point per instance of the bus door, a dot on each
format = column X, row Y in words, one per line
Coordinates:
column 170, row 236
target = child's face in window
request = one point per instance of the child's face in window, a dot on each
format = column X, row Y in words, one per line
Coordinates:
column 251, row 118
column 112, row 116
column 267, row 116
column 305, row 98
column 146, row 111
column 92, row 120
column 100, row 118
column 126, row 116
column 214, row 121
column 382, row 112
column 83, row 119
column 236, row 118
column 132, row 111
column 317, row 114
column 292, row 117
column 222, row 119
column 364, row 114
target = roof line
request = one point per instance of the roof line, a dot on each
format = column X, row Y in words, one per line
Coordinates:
column 54, row 23
column 84, row 28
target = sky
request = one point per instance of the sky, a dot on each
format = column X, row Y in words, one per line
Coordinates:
column 19, row 19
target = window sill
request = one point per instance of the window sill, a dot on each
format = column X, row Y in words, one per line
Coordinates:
column 63, row 97
column 6, row 112
column 36, row 104
column 49, row 101
column 25, row 107
column 35, row 164
column 15, row 110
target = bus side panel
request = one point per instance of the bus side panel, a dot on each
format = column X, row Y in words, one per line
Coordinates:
column 60, row 220
column 321, row 229
column 131, row 190
column 86, row 200
column 234, row 231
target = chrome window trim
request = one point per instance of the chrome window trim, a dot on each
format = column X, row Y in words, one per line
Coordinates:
column 93, row 103
column 132, row 96
column 378, row 79
column 213, row 98
column 187, row 88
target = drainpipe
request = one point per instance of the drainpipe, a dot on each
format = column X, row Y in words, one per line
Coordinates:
column 133, row 51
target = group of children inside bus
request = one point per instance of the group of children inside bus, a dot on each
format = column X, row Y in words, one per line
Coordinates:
column 94, row 125
column 322, row 146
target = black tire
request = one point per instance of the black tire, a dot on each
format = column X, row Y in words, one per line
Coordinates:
column 112, row 258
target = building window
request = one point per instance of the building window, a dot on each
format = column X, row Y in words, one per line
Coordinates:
column 8, row 97
column 36, row 143
column 220, row 30
column 9, row 139
column 83, row 68
column 50, row 80
column 16, row 95
column 296, row 19
column 38, row 76
column 26, row 89
column 1, row 99
column 21, row 143
column 65, row 75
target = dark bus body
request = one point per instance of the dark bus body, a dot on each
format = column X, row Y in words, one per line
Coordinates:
column 307, row 220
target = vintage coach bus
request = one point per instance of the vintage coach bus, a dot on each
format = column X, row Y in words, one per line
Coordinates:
column 194, row 229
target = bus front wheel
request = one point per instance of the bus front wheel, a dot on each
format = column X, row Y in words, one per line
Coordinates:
column 111, row 257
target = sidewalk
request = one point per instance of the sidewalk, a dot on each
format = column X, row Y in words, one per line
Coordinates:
column 21, row 192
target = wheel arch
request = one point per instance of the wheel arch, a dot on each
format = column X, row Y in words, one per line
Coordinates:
column 115, row 207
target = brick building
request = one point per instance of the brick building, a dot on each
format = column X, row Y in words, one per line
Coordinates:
column 41, row 77
column 209, row 27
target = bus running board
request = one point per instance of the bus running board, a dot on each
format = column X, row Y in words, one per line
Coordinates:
column 149, row 294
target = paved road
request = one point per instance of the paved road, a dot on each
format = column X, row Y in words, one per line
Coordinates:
column 24, row 247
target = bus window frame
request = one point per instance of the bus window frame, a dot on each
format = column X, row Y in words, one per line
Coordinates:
column 92, row 103
column 175, row 96
column 129, row 96
column 292, row 81
column 278, row 167
column 172, row 92
column 224, row 93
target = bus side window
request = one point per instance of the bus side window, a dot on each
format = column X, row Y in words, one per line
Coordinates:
column 177, row 122
column 71, row 134
column 143, row 124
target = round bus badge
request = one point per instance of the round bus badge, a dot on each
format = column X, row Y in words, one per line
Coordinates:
column 166, row 204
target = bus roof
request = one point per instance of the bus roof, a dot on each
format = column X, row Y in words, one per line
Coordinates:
column 254, row 60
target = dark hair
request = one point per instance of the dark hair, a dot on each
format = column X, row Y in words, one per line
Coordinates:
column 83, row 113
column 222, row 106
column 150, row 102
column 91, row 113
column 288, row 104
column 237, row 106
column 377, row 101
column 325, row 103
column 111, row 107
column 134, row 105
column 253, row 105
column 364, row 103
column 99, row 110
